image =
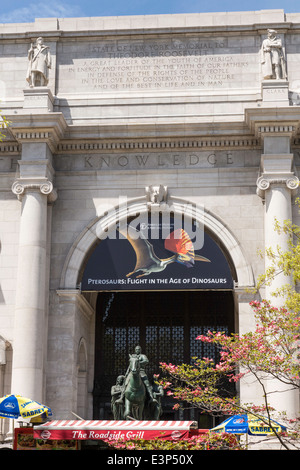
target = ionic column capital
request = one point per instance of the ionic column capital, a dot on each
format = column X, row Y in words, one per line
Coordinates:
column 264, row 182
column 45, row 186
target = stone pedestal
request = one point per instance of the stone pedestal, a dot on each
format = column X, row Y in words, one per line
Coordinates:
column 38, row 98
column 275, row 92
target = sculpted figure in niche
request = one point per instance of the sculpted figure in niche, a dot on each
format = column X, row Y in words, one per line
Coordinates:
column 39, row 64
column 273, row 61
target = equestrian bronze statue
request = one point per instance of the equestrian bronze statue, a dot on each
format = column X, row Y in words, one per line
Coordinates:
column 138, row 399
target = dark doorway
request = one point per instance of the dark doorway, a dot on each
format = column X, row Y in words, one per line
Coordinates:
column 164, row 324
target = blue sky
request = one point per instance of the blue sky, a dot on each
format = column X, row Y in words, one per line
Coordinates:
column 17, row 11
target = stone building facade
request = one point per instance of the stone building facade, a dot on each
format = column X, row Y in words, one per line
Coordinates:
column 113, row 118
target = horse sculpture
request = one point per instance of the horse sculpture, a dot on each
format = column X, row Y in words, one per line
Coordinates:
column 135, row 391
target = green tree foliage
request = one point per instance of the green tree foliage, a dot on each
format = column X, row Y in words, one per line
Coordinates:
column 270, row 351
column 285, row 262
column 3, row 125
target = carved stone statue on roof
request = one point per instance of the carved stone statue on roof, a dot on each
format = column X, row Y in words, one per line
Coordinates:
column 272, row 57
column 39, row 64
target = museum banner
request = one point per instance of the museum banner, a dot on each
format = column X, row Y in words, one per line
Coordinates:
column 162, row 254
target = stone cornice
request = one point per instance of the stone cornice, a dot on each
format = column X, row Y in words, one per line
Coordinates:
column 267, row 121
column 10, row 148
column 64, row 146
column 143, row 144
column 228, row 22
column 48, row 127
column 277, row 129
column 68, row 146
column 53, row 129
column 93, row 145
column 25, row 136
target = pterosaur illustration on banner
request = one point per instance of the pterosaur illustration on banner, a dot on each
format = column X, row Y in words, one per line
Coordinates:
column 148, row 262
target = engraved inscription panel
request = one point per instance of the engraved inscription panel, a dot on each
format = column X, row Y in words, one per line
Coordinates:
column 155, row 160
column 157, row 64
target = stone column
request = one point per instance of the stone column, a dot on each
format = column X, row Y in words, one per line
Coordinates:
column 38, row 131
column 276, row 185
column 28, row 344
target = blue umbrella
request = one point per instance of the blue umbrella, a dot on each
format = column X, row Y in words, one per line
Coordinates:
column 237, row 424
column 16, row 406
column 248, row 424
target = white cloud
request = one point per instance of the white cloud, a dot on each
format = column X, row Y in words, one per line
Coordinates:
column 40, row 10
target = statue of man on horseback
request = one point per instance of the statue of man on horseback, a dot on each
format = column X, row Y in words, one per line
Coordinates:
column 137, row 390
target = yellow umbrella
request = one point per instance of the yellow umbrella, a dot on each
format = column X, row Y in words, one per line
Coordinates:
column 16, row 406
column 249, row 424
column 262, row 427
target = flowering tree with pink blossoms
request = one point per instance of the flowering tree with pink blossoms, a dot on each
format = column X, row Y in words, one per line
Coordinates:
column 207, row 441
column 270, row 351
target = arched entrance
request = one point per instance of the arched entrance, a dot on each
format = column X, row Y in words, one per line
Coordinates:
column 164, row 324
column 160, row 290
column 179, row 327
